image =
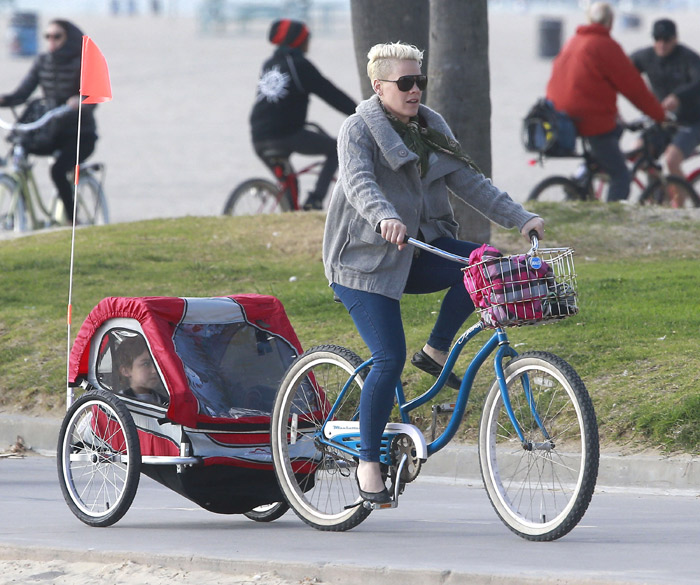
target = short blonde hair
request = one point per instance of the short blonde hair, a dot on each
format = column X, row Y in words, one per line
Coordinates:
column 600, row 13
column 381, row 58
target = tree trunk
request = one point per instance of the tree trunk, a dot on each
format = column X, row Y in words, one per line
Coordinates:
column 384, row 22
column 460, row 90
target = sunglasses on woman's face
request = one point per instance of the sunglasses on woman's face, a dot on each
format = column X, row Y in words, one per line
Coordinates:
column 406, row 82
column 53, row 36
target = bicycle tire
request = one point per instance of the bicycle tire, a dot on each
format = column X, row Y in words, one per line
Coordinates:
column 267, row 512
column 556, row 189
column 256, row 196
column 13, row 211
column 98, row 458
column 92, row 203
column 693, row 178
column 540, row 493
column 664, row 191
column 318, row 482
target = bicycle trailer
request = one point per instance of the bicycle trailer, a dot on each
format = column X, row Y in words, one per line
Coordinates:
column 204, row 428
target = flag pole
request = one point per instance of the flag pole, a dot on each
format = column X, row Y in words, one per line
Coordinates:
column 95, row 86
column 74, row 212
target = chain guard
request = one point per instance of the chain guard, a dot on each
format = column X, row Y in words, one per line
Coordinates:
column 403, row 444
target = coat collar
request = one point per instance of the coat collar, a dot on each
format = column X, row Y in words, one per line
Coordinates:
column 389, row 142
column 393, row 147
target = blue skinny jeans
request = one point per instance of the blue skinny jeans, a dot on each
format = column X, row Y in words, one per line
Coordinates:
column 378, row 321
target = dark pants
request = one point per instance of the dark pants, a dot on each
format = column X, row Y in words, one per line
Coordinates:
column 378, row 321
column 64, row 149
column 307, row 142
column 605, row 149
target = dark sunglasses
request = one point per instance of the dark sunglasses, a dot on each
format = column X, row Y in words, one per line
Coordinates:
column 406, row 82
column 53, row 36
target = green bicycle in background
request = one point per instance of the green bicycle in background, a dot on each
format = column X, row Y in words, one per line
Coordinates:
column 21, row 205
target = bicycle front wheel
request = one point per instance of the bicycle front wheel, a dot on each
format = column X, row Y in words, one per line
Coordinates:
column 256, row 196
column 13, row 213
column 540, row 489
column 92, row 203
column 556, row 189
column 317, row 479
column 670, row 191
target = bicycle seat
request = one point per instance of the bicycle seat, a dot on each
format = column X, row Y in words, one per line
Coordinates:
column 272, row 150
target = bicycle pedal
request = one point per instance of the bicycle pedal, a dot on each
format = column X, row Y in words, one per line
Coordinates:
column 444, row 408
column 386, row 506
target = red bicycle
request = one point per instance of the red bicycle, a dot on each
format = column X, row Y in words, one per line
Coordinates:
column 590, row 182
column 258, row 195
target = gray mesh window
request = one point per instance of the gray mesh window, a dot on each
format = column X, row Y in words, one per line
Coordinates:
column 233, row 369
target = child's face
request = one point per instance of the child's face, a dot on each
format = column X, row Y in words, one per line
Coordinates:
column 143, row 376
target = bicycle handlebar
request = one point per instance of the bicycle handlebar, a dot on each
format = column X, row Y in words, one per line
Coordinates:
column 38, row 123
column 644, row 122
column 436, row 251
column 534, row 240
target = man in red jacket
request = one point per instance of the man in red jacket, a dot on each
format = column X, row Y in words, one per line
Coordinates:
column 587, row 75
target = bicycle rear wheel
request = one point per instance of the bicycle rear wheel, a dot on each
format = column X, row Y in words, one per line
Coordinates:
column 99, row 458
column 13, row 213
column 256, row 196
column 317, row 480
column 670, row 191
column 556, row 189
column 540, row 490
column 92, row 203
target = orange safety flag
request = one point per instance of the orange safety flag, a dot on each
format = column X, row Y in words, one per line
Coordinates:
column 94, row 75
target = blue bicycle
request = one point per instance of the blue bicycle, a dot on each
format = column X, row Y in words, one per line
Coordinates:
column 538, row 436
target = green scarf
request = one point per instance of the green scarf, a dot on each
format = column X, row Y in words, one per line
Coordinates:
column 423, row 141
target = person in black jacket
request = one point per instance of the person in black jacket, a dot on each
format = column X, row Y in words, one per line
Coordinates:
column 282, row 100
column 673, row 71
column 57, row 72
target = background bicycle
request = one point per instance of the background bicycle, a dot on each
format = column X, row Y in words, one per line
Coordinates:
column 258, row 195
column 649, row 185
column 22, row 207
column 538, row 435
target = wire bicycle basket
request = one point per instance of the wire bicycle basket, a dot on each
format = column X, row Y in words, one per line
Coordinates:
column 523, row 289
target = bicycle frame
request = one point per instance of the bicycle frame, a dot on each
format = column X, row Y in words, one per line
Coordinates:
column 27, row 188
column 287, row 179
column 498, row 342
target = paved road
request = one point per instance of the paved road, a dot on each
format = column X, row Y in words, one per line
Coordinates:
column 442, row 533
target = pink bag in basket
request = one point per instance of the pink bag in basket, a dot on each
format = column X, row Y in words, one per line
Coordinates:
column 507, row 289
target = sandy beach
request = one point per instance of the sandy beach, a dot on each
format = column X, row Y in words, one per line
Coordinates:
column 127, row 573
column 175, row 138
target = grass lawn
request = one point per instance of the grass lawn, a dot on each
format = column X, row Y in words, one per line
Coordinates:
column 634, row 342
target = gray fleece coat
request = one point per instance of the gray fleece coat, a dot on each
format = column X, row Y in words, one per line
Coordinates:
column 379, row 179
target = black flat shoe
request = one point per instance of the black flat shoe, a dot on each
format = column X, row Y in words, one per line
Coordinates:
column 382, row 497
column 424, row 362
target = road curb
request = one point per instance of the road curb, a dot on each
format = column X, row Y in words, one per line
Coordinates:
column 455, row 463
column 636, row 472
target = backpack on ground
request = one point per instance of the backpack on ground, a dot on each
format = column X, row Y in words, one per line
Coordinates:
column 548, row 131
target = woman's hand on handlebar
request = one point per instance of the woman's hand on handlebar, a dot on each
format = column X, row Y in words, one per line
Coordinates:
column 535, row 224
column 394, row 232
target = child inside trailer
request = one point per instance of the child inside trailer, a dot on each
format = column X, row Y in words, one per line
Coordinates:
column 138, row 376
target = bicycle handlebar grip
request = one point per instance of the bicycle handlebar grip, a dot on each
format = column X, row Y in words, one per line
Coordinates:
column 534, row 237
